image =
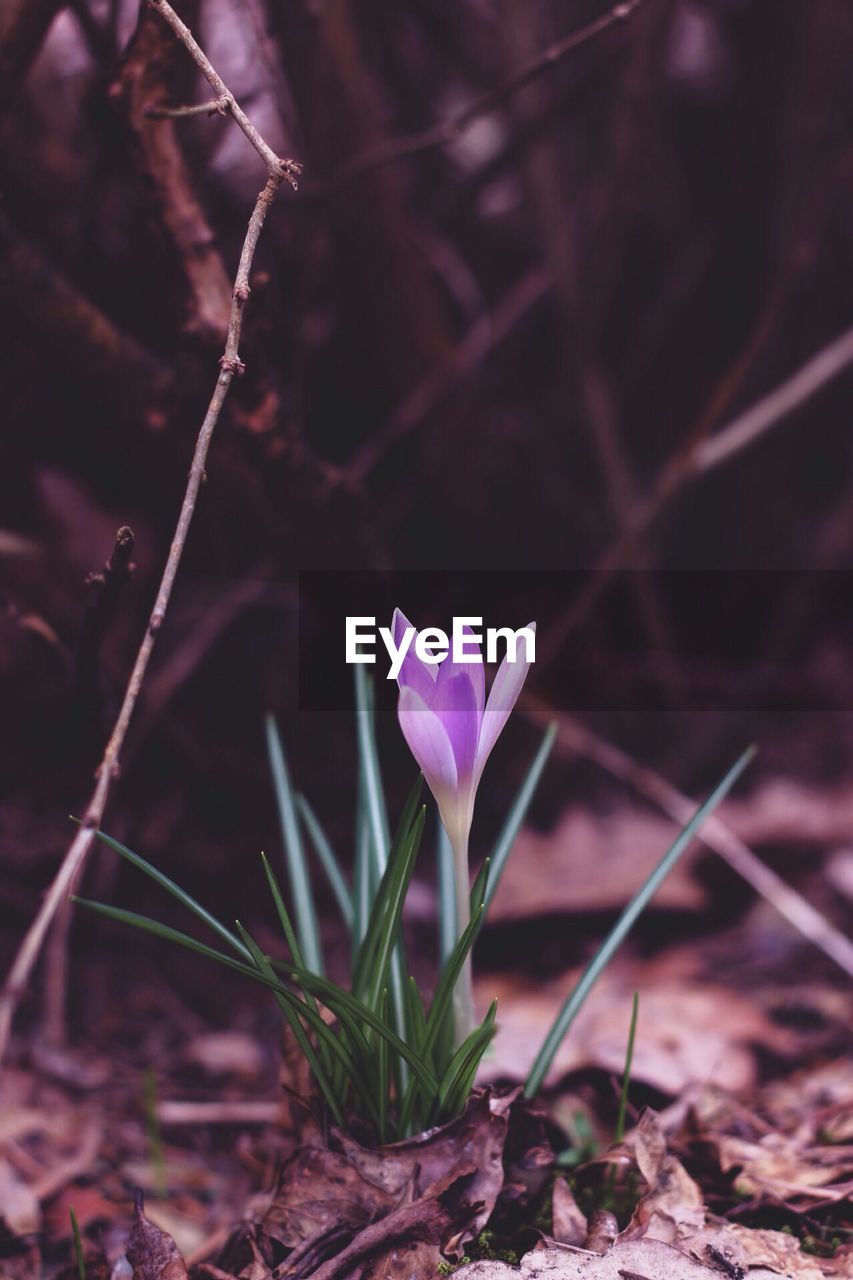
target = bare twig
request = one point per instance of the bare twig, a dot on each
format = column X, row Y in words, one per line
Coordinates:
column 697, row 459
column 278, row 171
column 577, row 738
column 146, row 68
column 244, row 1112
column 440, row 135
column 480, row 340
column 218, row 106
column 773, row 408
column 287, row 169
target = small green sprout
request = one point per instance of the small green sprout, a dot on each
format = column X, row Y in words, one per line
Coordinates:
column 619, row 1131
column 155, row 1137
column 78, row 1246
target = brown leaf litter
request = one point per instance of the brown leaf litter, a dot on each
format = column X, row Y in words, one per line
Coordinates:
column 152, row 1253
column 670, row 1233
column 791, row 1148
column 342, row 1209
column 691, row 1030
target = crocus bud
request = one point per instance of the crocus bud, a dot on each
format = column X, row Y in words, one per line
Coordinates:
column 451, row 728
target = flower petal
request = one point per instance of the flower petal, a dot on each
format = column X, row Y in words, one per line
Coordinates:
column 475, row 672
column 428, row 743
column 414, row 674
column 455, row 703
column 502, row 698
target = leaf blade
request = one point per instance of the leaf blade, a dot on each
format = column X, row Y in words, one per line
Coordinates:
column 620, row 930
column 297, row 867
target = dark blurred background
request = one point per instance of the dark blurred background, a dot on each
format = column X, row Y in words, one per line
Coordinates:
column 500, row 349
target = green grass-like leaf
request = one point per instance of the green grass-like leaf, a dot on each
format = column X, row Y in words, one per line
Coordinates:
column 375, row 810
column 176, row 891
column 155, row 1137
column 457, row 1080
column 362, row 876
column 333, row 996
column 78, row 1245
column 328, row 860
column 319, row 1069
column 619, row 1131
column 383, row 931
column 376, row 821
column 297, row 867
column 623, row 925
column 434, row 1044
column 291, row 940
column 518, row 811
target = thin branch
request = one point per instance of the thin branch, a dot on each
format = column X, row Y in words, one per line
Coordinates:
column 440, row 135
column 239, row 1111
column 578, row 739
column 278, row 171
column 217, row 106
column 775, row 406
column 287, row 169
column 481, row 339
column 696, row 459
column 146, row 68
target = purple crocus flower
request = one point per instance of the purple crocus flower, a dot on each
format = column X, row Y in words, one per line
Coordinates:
column 451, row 727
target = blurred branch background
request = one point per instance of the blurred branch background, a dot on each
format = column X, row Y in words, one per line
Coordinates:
column 495, row 330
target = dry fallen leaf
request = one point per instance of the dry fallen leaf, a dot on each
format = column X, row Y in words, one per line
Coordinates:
column 672, row 1211
column 384, row 1208
column 689, row 1032
column 785, row 812
column 591, row 862
column 814, row 1103
column 626, row 1260
column 781, row 1169
column 568, row 1222
column 19, row 1206
column 151, row 1252
column 791, row 1147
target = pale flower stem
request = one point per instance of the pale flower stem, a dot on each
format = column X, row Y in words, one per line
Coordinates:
column 464, row 1013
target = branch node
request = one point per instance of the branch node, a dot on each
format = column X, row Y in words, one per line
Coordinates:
column 290, row 171
column 242, row 291
column 232, row 364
